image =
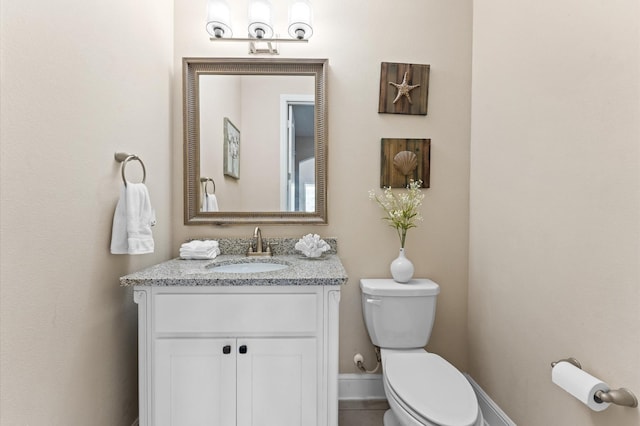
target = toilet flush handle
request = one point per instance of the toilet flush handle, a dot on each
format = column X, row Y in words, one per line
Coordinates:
column 373, row 301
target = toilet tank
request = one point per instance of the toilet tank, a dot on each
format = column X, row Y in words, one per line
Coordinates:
column 399, row 316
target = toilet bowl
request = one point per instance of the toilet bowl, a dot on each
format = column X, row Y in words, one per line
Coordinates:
column 422, row 388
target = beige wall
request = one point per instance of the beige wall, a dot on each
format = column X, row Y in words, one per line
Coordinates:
column 80, row 81
column 555, row 203
column 355, row 40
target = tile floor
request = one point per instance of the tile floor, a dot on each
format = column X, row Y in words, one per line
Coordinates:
column 361, row 413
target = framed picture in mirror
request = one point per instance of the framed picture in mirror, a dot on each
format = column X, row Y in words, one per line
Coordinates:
column 231, row 148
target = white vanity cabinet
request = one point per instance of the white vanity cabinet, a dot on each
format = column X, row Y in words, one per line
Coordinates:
column 238, row 355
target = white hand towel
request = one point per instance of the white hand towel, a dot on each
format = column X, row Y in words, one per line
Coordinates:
column 211, row 254
column 210, row 203
column 119, row 230
column 199, row 245
column 199, row 249
column 132, row 221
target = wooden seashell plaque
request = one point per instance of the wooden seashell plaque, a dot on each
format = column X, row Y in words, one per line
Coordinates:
column 403, row 160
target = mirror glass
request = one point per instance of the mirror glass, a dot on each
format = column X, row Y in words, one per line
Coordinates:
column 255, row 141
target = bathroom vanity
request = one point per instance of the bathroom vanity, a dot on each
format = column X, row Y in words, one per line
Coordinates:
column 239, row 348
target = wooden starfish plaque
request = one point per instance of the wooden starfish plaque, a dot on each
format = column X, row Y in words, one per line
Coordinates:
column 404, row 88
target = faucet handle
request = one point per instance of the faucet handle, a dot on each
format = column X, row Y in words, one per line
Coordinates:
column 272, row 245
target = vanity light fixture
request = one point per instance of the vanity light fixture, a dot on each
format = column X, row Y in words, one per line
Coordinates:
column 260, row 12
column 260, row 27
column 218, row 20
column 300, row 16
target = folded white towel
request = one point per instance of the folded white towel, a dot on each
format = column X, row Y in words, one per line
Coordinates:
column 210, row 203
column 199, row 255
column 132, row 221
column 199, row 245
column 200, row 249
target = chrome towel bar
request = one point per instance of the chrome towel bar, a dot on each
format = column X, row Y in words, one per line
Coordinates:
column 124, row 158
column 620, row 396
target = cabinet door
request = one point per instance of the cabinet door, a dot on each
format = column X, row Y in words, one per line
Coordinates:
column 195, row 382
column 277, row 382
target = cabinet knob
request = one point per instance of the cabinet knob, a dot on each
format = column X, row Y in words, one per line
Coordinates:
column 226, row 349
column 243, row 349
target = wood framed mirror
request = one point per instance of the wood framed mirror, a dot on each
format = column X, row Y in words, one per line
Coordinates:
column 255, row 141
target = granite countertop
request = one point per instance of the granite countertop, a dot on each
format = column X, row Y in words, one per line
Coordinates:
column 327, row 270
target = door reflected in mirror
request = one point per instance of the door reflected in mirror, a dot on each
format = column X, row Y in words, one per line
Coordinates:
column 255, row 140
column 298, row 176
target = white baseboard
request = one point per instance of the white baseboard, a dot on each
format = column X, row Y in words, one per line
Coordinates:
column 360, row 387
column 493, row 415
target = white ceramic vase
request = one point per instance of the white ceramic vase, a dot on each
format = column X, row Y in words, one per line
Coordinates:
column 402, row 268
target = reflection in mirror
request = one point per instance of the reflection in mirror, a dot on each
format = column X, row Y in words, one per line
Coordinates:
column 298, row 171
column 258, row 144
column 255, row 141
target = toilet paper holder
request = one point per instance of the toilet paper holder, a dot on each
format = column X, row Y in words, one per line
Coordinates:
column 622, row 396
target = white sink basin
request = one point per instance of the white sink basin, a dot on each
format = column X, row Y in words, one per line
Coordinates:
column 249, row 267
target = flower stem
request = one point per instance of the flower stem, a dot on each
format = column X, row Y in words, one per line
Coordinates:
column 402, row 233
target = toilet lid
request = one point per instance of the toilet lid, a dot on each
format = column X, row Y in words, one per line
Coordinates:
column 432, row 387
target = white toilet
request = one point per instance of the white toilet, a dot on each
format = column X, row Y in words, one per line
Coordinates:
column 421, row 388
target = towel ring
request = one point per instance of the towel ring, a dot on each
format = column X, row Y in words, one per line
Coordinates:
column 206, row 180
column 124, row 158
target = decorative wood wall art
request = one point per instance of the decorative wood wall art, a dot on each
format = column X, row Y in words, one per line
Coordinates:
column 402, row 160
column 404, row 88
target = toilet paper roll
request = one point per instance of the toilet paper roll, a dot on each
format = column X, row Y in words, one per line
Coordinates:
column 582, row 385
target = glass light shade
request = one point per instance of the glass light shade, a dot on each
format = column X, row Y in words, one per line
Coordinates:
column 300, row 19
column 260, row 19
column 218, row 19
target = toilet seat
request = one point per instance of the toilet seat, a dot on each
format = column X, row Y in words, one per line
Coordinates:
column 431, row 389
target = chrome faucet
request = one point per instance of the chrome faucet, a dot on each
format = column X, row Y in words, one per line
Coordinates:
column 257, row 248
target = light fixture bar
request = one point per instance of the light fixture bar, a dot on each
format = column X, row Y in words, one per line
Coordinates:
column 264, row 40
column 270, row 43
